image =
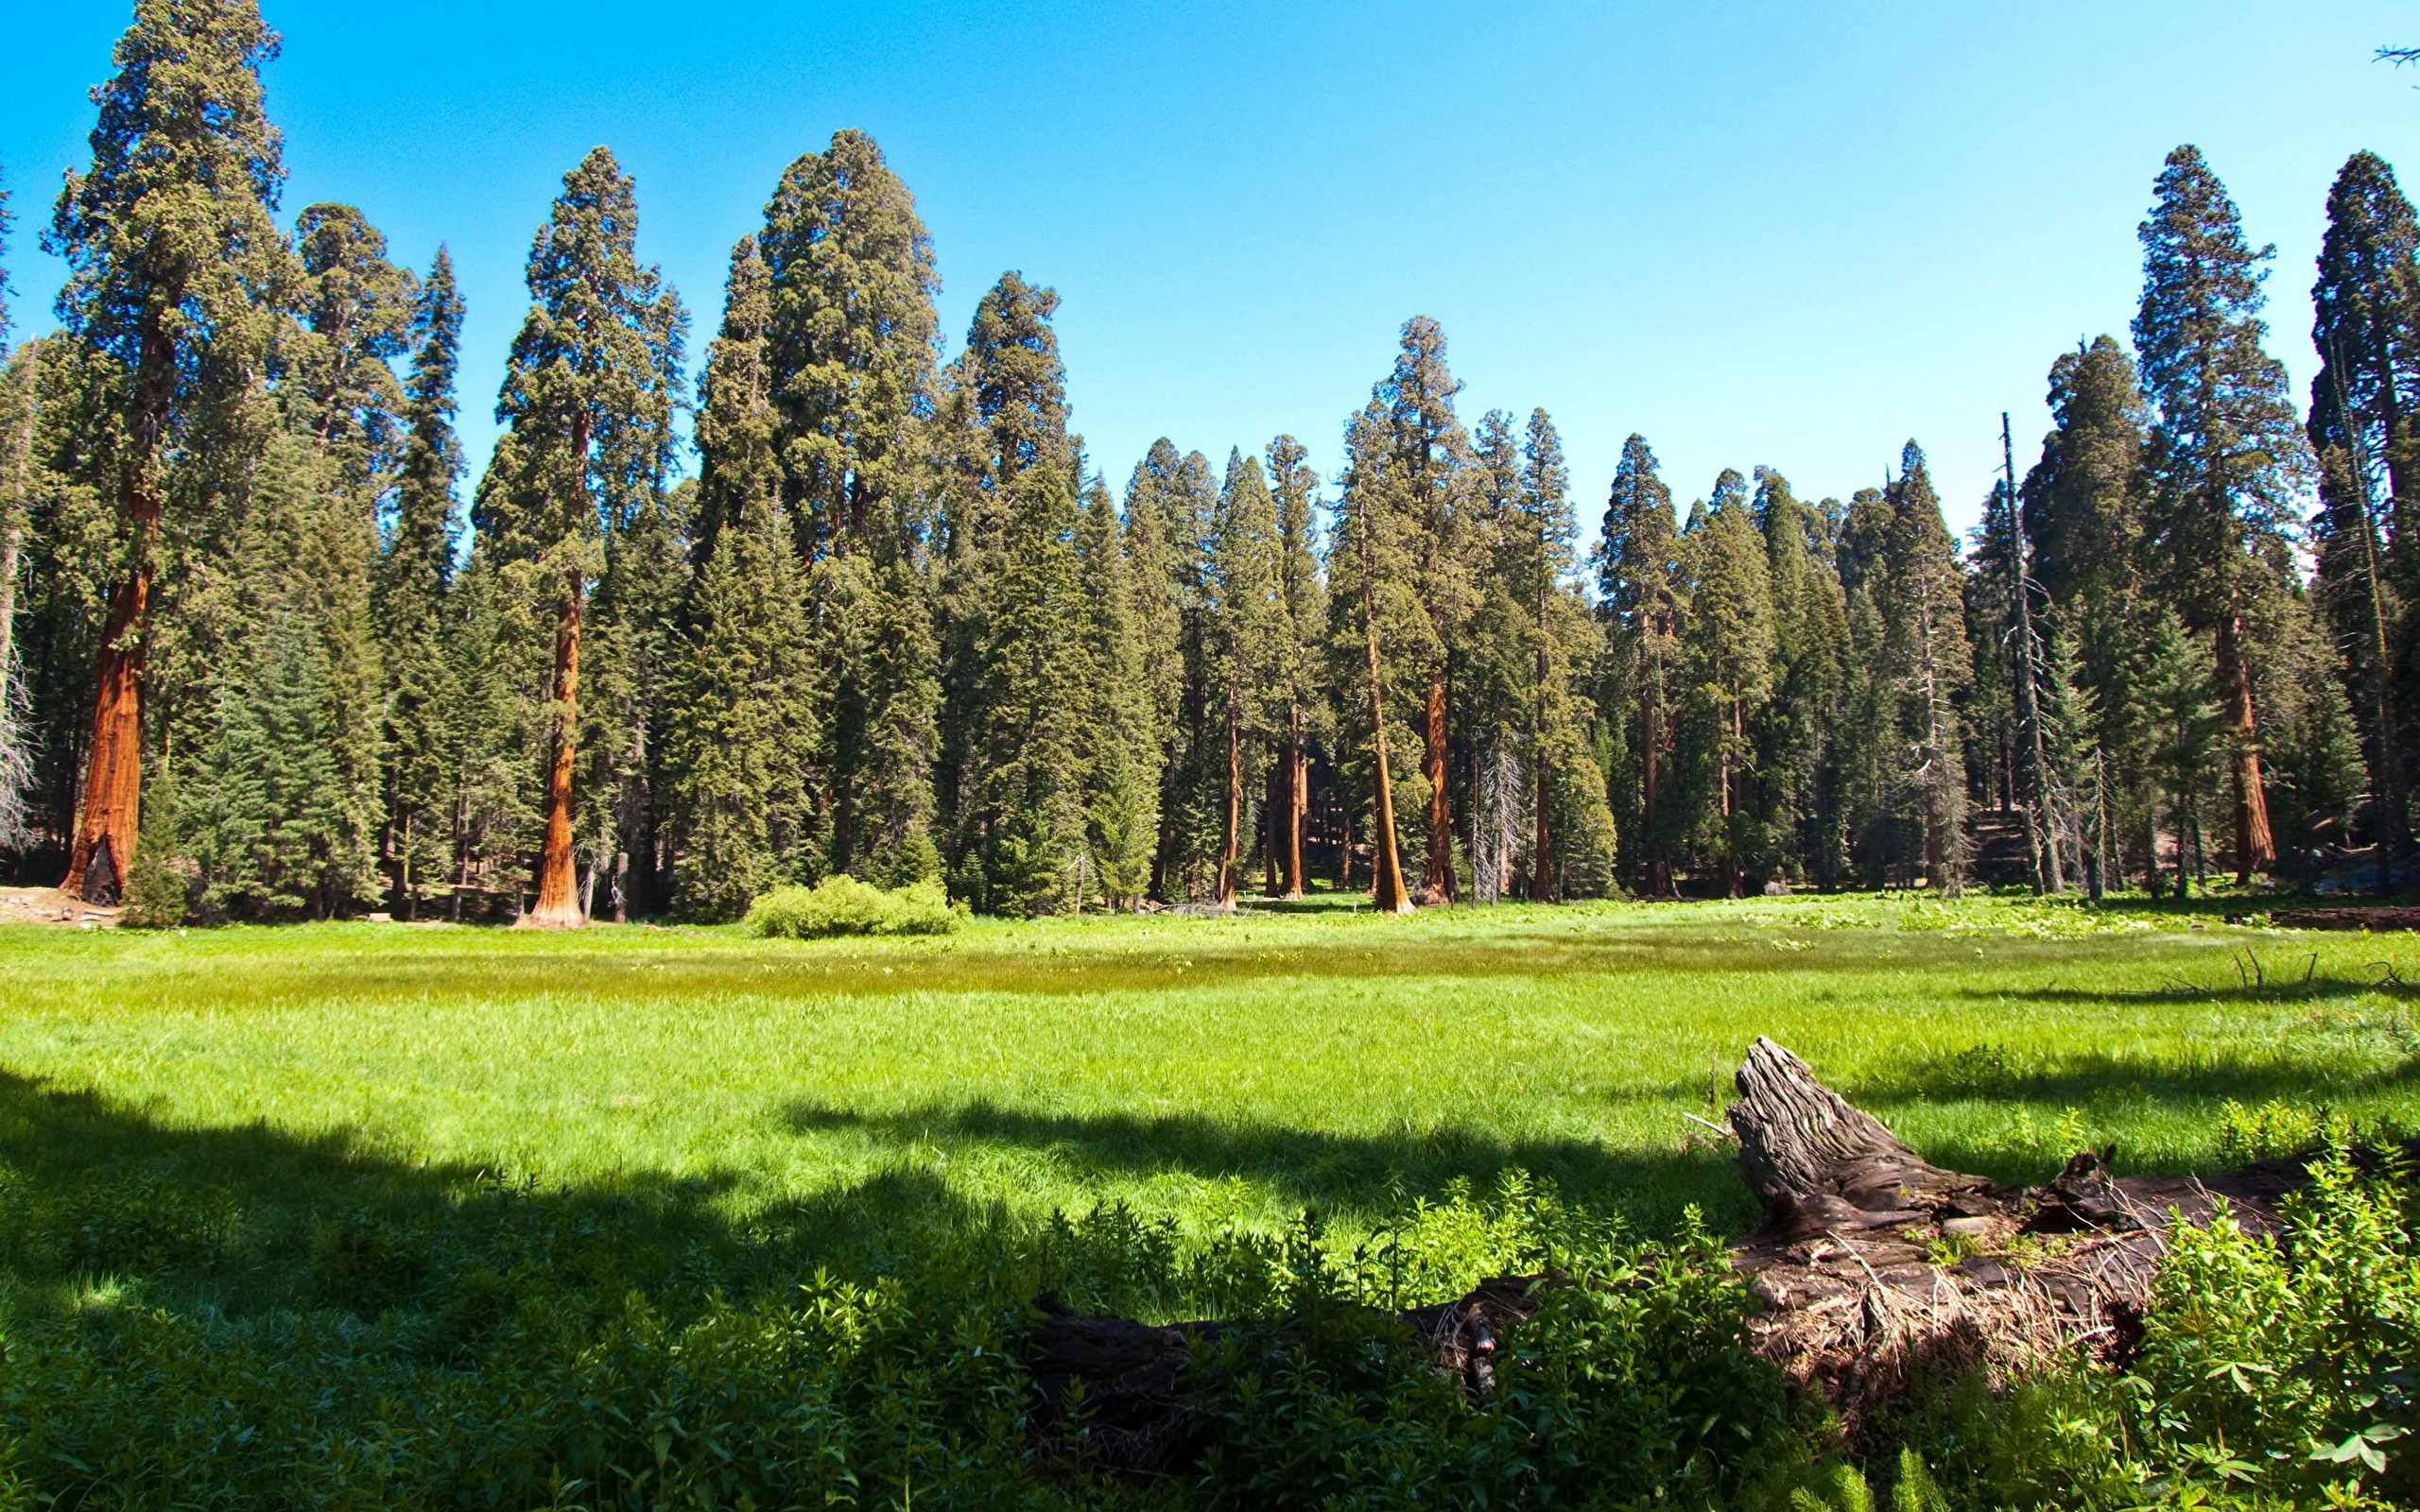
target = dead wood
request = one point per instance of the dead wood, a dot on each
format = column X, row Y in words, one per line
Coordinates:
column 1874, row 1269
column 2379, row 919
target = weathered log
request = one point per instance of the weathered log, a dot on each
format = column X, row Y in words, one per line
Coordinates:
column 1873, row 1267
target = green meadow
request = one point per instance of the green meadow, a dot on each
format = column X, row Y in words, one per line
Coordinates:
column 379, row 1216
column 1221, row 1072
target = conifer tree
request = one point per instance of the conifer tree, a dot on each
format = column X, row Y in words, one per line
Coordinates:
column 18, row 402
column 852, row 346
column 588, row 396
column 175, row 266
column 1120, row 739
column 1372, row 607
column 1170, row 501
column 1639, row 583
column 1572, row 833
column 1727, row 646
column 1431, row 458
column 1922, row 606
column 415, row 572
column 2366, row 327
column 744, row 725
column 1795, row 738
column 1016, row 611
column 2225, row 451
column 1305, row 593
column 1249, row 628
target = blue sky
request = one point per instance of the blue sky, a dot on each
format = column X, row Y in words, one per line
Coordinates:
column 1794, row 234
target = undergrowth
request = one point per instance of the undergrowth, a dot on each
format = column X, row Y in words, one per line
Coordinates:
column 517, row 1351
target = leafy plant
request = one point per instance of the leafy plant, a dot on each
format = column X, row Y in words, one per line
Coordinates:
column 843, row 905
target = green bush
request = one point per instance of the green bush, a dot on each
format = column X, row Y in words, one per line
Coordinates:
column 155, row 893
column 844, row 905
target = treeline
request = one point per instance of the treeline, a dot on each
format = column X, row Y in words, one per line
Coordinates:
column 263, row 663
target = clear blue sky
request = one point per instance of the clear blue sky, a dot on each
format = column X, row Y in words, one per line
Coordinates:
column 1794, row 234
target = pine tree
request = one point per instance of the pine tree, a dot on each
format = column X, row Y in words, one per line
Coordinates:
column 1118, row 737
column 1572, row 839
column 2366, row 327
column 1016, row 611
column 18, row 402
column 1304, row 593
column 2226, row 454
column 588, row 396
column 1248, row 632
column 1795, row 738
column 175, row 268
column 1929, row 656
column 1372, row 608
column 415, row 572
column 744, row 725
column 2084, row 510
column 1170, row 501
column 1727, row 646
column 852, row 345
column 1639, row 583
column 1431, row 456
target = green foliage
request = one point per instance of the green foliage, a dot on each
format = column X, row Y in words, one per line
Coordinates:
column 840, row 904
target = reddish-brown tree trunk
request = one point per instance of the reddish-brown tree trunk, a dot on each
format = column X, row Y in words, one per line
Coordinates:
column 558, row 896
column 1437, row 883
column 1656, row 870
column 1230, row 829
column 1387, row 892
column 112, row 810
column 2255, row 848
column 1293, row 788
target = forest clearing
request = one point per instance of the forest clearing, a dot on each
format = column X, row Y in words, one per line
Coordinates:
column 462, row 1201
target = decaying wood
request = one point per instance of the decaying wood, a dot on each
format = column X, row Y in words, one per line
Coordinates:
column 1873, row 1267
column 2380, row 918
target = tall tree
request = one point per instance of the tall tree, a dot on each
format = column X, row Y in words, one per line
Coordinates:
column 1016, row 611
column 2366, row 327
column 2226, row 454
column 1929, row 656
column 588, row 399
column 175, row 264
column 1639, row 583
column 1371, row 571
column 1120, row 741
column 415, row 572
column 1572, row 833
column 1431, row 456
column 17, row 406
column 744, row 725
column 1305, row 594
column 1249, row 631
column 1727, row 643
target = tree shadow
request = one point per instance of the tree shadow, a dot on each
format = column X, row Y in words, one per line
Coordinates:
column 2007, row 1075
column 1314, row 1168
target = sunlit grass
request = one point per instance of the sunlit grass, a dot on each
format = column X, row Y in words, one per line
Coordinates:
column 1218, row 1070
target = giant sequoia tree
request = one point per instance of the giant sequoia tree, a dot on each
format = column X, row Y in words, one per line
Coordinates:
column 588, row 396
column 175, row 269
column 2225, row 451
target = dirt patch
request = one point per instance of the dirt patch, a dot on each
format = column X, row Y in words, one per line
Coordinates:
column 48, row 905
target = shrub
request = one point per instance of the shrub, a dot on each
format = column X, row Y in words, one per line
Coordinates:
column 155, row 893
column 844, row 905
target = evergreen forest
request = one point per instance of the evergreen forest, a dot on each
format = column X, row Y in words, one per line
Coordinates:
column 845, row 595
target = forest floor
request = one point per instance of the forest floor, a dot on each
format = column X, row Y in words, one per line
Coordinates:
column 1221, row 1072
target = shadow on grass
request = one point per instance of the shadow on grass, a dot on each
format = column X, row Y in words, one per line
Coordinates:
column 1312, row 1168
column 2005, row 1075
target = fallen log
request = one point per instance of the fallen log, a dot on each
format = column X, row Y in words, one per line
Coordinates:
column 1873, row 1266
column 2379, row 919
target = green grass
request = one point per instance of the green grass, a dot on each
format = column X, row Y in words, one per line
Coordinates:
column 1221, row 1072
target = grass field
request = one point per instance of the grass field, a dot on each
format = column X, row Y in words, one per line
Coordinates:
column 1216, row 1071
column 371, row 1216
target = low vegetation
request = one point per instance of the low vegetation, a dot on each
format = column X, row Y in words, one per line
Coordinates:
column 356, row 1215
column 843, row 905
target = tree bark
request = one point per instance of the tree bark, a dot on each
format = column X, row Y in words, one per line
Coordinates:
column 1437, row 883
column 1388, row 893
column 113, row 800
column 1293, row 788
column 1855, row 1304
column 2255, row 850
column 1656, row 869
column 1230, row 829
column 557, row 893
